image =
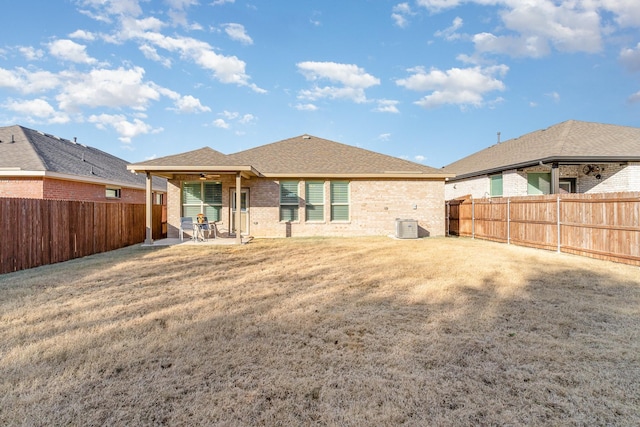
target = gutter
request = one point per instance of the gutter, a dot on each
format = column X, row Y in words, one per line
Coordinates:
column 537, row 162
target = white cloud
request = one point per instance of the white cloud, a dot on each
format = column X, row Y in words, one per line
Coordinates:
column 634, row 98
column 83, row 35
column 463, row 87
column 531, row 28
column 420, row 158
column 400, row 13
column 247, row 119
column 306, row 107
column 125, row 128
column 384, row 136
column 220, row 2
column 151, row 53
column 220, row 123
column 450, row 33
column 238, row 33
column 354, row 81
column 630, row 58
column 70, row 51
column 38, row 108
column 188, row 104
column 233, row 116
column 107, row 88
column 386, row 106
column 555, row 96
column 438, row 5
column 627, row 12
column 28, row 82
column 30, row 53
column 230, row 115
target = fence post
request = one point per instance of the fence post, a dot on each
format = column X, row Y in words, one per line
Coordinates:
column 558, row 222
column 473, row 218
column 508, row 221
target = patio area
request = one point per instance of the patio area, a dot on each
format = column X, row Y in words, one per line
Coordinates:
column 191, row 242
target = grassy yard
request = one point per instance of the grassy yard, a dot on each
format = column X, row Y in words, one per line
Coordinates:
column 349, row 332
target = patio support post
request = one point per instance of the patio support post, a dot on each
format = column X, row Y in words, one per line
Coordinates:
column 555, row 178
column 148, row 211
column 238, row 212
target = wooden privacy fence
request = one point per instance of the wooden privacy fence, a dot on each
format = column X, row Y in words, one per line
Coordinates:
column 604, row 226
column 36, row 232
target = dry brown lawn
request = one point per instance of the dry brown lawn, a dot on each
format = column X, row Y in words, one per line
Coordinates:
column 348, row 332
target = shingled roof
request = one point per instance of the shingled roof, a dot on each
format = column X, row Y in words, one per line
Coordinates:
column 27, row 152
column 301, row 156
column 569, row 142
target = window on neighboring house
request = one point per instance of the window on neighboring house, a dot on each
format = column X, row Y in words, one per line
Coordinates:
column 113, row 193
column 314, row 208
column 568, row 185
column 159, row 198
column 495, row 185
column 289, row 202
column 538, row 183
column 202, row 197
column 339, row 201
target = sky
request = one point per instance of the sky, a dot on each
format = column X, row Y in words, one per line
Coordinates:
column 429, row 81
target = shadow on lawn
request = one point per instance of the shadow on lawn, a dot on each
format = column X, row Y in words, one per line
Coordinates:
column 317, row 345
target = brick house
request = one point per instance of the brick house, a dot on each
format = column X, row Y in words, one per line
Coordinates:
column 37, row 165
column 569, row 157
column 302, row 186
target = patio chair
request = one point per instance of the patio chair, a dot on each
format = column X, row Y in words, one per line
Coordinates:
column 207, row 227
column 186, row 224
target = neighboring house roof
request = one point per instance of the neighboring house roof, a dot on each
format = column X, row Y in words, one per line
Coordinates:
column 301, row 156
column 567, row 142
column 27, row 152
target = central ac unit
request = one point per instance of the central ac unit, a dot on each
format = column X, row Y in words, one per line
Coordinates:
column 406, row 228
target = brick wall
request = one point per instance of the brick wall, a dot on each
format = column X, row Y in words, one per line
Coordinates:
column 613, row 178
column 374, row 207
column 21, row 188
column 57, row 189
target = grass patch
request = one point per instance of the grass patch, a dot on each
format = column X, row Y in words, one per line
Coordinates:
column 366, row 331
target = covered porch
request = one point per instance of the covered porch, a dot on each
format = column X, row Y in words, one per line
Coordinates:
column 199, row 182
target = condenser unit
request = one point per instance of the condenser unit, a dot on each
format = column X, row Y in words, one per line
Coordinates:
column 406, row 228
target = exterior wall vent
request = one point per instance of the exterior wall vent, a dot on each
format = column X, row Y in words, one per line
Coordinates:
column 406, row 228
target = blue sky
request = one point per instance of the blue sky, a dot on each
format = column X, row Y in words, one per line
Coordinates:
column 426, row 80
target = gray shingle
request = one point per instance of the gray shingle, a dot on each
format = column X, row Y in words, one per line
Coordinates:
column 570, row 140
column 37, row 151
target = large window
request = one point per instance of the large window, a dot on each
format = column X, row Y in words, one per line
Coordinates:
column 495, row 185
column 289, row 201
column 538, row 183
column 314, row 208
column 202, row 197
column 339, row 201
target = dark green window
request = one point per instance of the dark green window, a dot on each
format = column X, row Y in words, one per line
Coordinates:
column 339, row 201
column 495, row 185
column 538, row 183
column 202, row 197
column 289, row 201
column 314, row 194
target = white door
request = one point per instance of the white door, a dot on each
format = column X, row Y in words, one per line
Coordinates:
column 244, row 211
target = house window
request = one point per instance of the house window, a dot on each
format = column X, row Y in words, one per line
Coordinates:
column 202, row 197
column 113, row 193
column 289, row 201
column 568, row 185
column 538, row 183
column 339, row 201
column 495, row 185
column 159, row 198
column 314, row 208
